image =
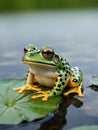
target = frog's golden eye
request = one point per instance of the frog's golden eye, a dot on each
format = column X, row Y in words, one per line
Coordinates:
column 25, row 50
column 47, row 53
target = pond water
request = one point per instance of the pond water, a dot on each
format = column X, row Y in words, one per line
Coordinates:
column 74, row 35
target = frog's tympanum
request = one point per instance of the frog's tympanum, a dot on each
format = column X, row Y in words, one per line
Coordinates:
column 48, row 69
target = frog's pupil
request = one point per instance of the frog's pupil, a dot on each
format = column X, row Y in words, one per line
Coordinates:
column 48, row 53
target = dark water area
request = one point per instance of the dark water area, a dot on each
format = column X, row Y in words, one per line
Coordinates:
column 74, row 35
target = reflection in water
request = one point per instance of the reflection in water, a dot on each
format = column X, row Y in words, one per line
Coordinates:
column 94, row 87
column 59, row 120
column 94, row 82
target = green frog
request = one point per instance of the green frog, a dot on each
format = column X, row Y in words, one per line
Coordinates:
column 49, row 69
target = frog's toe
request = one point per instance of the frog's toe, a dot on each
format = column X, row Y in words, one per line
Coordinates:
column 80, row 95
column 32, row 87
column 19, row 89
column 66, row 93
column 37, row 96
column 41, row 92
column 15, row 89
column 26, row 87
column 34, row 97
column 44, row 96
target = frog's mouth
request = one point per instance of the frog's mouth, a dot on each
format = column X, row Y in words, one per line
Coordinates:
column 40, row 64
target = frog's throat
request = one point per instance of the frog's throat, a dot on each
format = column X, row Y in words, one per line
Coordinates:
column 39, row 64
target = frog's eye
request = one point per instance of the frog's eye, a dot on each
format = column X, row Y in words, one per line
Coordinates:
column 25, row 50
column 47, row 53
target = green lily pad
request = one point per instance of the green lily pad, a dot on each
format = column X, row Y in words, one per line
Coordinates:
column 94, row 80
column 86, row 128
column 94, row 83
column 15, row 108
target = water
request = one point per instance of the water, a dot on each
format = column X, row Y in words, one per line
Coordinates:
column 74, row 35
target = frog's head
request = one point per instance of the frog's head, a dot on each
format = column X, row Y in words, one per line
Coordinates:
column 43, row 57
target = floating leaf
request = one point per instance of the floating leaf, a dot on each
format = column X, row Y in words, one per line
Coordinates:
column 94, row 83
column 94, row 80
column 86, row 128
column 15, row 108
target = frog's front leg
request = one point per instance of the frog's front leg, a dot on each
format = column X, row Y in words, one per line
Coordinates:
column 60, row 83
column 28, row 86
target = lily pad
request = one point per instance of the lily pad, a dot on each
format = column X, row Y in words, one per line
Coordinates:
column 86, row 128
column 15, row 108
column 94, row 80
column 94, row 83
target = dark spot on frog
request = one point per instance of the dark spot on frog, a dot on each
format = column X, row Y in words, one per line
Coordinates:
column 60, row 75
column 61, row 79
column 64, row 69
column 62, row 59
column 54, row 93
column 59, row 85
column 63, row 83
column 56, row 80
column 66, row 75
column 67, row 71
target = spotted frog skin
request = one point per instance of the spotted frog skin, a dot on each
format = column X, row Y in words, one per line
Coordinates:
column 49, row 69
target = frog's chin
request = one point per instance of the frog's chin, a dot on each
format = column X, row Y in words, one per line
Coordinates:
column 40, row 64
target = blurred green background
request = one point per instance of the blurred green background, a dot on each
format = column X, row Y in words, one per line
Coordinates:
column 24, row 5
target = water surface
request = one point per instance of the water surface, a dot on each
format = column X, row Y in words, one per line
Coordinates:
column 74, row 35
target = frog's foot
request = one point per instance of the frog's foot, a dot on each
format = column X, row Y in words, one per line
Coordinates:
column 74, row 90
column 78, row 91
column 26, row 87
column 42, row 94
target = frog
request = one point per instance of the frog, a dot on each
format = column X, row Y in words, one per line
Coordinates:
column 49, row 69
